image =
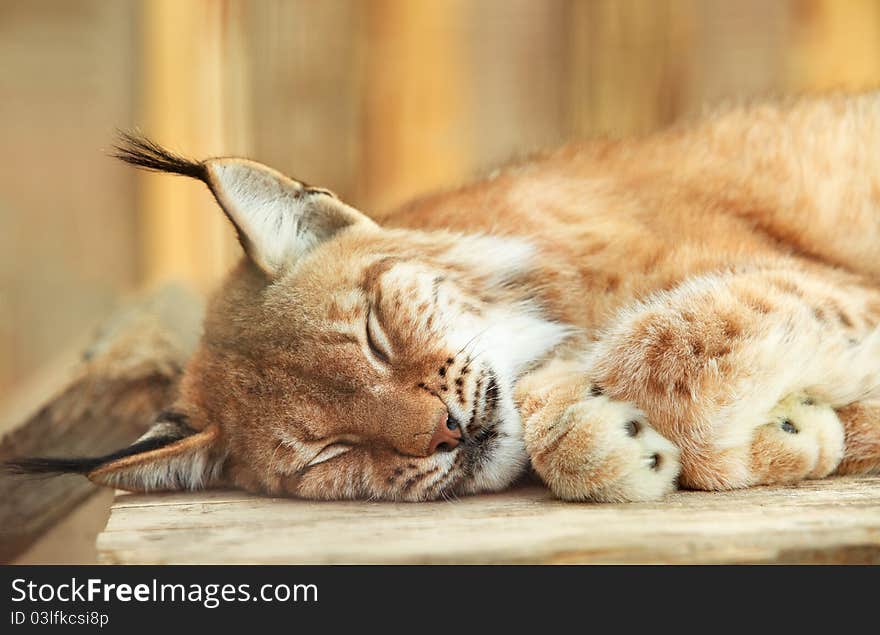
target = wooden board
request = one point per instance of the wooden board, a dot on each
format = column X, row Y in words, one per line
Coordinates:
column 68, row 233
column 71, row 540
column 833, row 521
column 127, row 375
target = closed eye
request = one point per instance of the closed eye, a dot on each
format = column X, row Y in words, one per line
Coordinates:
column 378, row 342
column 329, row 452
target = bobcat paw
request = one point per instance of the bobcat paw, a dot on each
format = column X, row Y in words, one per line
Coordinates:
column 602, row 450
column 803, row 439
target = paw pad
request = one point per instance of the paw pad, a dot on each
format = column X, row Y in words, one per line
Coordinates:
column 606, row 451
column 803, row 439
column 788, row 426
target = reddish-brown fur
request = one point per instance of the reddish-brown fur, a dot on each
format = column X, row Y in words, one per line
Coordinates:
column 677, row 258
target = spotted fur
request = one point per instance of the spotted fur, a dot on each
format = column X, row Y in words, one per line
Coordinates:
column 698, row 307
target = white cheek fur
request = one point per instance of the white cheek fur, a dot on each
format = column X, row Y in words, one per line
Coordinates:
column 508, row 338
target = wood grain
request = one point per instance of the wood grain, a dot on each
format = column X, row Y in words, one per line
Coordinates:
column 414, row 101
column 127, row 375
column 305, row 71
column 193, row 91
column 834, row 520
column 67, row 235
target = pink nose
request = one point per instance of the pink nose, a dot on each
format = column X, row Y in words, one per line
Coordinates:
column 446, row 436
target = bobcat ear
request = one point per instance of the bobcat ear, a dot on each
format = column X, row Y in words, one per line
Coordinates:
column 277, row 218
column 170, row 456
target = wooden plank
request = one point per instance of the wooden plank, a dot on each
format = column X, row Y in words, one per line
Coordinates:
column 67, row 224
column 193, row 100
column 415, row 136
column 833, row 45
column 740, row 51
column 306, row 85
column 72, row 540
column 630, row 65
column 833, row 520
column 515, row 80
column 126, row 376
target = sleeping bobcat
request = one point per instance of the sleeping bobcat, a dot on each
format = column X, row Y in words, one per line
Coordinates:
column 695, row 308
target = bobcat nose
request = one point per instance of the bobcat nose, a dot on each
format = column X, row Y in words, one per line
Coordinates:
column 446, row 436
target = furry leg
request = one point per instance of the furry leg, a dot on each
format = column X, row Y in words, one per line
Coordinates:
column 744, row 371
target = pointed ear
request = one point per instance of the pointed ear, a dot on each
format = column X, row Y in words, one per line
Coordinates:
column 278, row 219
column 170, row 456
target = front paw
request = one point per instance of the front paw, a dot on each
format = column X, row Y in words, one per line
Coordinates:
column 602, row 450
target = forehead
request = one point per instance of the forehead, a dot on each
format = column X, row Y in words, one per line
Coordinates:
column 323, row 295
column 341, row 286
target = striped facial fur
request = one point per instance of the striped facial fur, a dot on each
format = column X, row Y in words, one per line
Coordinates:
column 371, row 371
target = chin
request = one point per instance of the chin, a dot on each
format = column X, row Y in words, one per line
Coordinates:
column 507, row 464
column 499, row 458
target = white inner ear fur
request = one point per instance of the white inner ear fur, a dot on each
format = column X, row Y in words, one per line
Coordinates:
column 278, row 219
column 184, row 472
column 193, row 464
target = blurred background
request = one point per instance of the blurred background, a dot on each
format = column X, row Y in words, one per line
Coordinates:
column 378, row 100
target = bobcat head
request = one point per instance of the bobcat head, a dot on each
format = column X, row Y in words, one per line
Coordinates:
column 340, row 359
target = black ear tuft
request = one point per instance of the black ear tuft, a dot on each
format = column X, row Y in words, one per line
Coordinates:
column 136, row 149
column 43, row 466
column 169, row 427
column 47, row 466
